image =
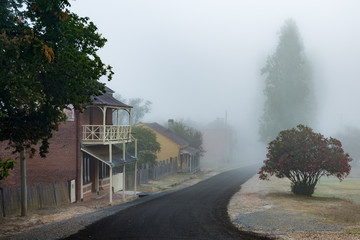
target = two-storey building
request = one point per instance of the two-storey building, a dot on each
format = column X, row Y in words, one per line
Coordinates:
column 88, row 154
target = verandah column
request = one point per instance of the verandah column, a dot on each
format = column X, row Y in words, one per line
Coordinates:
column 123, row 193
column 110, row 160
column 135, row 171
column 117, row 125
column 129, row 124
column 189, row 159
column 135, row 180
column 104, row 123
column 97, row 179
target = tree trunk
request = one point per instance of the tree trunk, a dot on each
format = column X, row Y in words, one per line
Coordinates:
column 23, row 183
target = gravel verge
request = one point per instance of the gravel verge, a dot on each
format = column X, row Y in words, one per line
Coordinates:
column 60, row 223
column 280, row 223
column 252, row 209
column 65, row 228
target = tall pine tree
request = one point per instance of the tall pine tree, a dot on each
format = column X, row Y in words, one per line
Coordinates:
column 288, row 86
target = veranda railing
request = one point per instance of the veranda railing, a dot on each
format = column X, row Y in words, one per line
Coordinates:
column 106, row 133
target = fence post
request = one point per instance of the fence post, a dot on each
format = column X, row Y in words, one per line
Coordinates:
column 153, row 172
column 38, row 188
column 3, row 202
column 54, row 191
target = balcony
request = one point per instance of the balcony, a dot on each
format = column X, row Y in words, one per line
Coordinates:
column 95, row 134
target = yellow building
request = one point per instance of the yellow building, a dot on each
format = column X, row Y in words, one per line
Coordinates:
column 174, row 149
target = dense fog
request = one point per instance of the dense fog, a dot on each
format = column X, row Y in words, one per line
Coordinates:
column 200, row 61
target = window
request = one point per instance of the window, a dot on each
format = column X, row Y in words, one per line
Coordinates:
column 70, row 114
column 104, row 170
column 86, row 168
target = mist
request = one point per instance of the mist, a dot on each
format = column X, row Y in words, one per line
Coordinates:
column 201, row 60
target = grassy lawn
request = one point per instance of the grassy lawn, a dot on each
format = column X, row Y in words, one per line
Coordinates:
column 174, row 181
column 333, row 201
column 333, row 188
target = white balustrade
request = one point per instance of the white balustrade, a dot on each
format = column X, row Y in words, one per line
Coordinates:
column 106, row 133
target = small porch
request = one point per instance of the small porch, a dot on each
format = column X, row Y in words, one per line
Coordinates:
column 107, row 128
column 189, row 160
column 104, row 170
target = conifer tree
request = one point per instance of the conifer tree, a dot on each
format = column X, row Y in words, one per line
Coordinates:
column 288, row 86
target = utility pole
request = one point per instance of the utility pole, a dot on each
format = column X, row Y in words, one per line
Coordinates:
column 227, row 139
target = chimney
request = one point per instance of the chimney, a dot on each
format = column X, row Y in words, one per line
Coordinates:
column 171, row 124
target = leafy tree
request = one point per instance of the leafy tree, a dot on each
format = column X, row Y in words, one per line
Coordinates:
column 147, row 145
column 49, row 61
column 191, row 135
column 289, row 99
column 140, row 106
column 5, row 166
column 304, row 157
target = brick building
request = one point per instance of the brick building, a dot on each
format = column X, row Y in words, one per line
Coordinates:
column 217, row 143
column 88, row 151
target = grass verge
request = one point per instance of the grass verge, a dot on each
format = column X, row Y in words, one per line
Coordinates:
column 333, row 201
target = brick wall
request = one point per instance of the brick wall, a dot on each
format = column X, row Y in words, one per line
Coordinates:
column 104, row 184
column 87, row 192
column 58, row 166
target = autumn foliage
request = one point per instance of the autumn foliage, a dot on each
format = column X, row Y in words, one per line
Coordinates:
column 304, row 156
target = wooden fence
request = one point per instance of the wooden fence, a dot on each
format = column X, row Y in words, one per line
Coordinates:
column 38, row 197
column 144, row 174
column 162, row 170
column 142, row 178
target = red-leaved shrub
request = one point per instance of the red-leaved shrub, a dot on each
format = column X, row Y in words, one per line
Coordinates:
column 304, row 157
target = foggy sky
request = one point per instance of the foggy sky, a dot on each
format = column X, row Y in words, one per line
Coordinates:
column 196, row 59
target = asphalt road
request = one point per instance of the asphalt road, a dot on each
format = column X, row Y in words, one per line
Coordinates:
column 196, row 212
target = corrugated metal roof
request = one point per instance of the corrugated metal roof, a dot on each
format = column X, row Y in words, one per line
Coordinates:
column 109, row 90
column 189, row 150
column 108, row 100
column 167, row 133
column 101, row 152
